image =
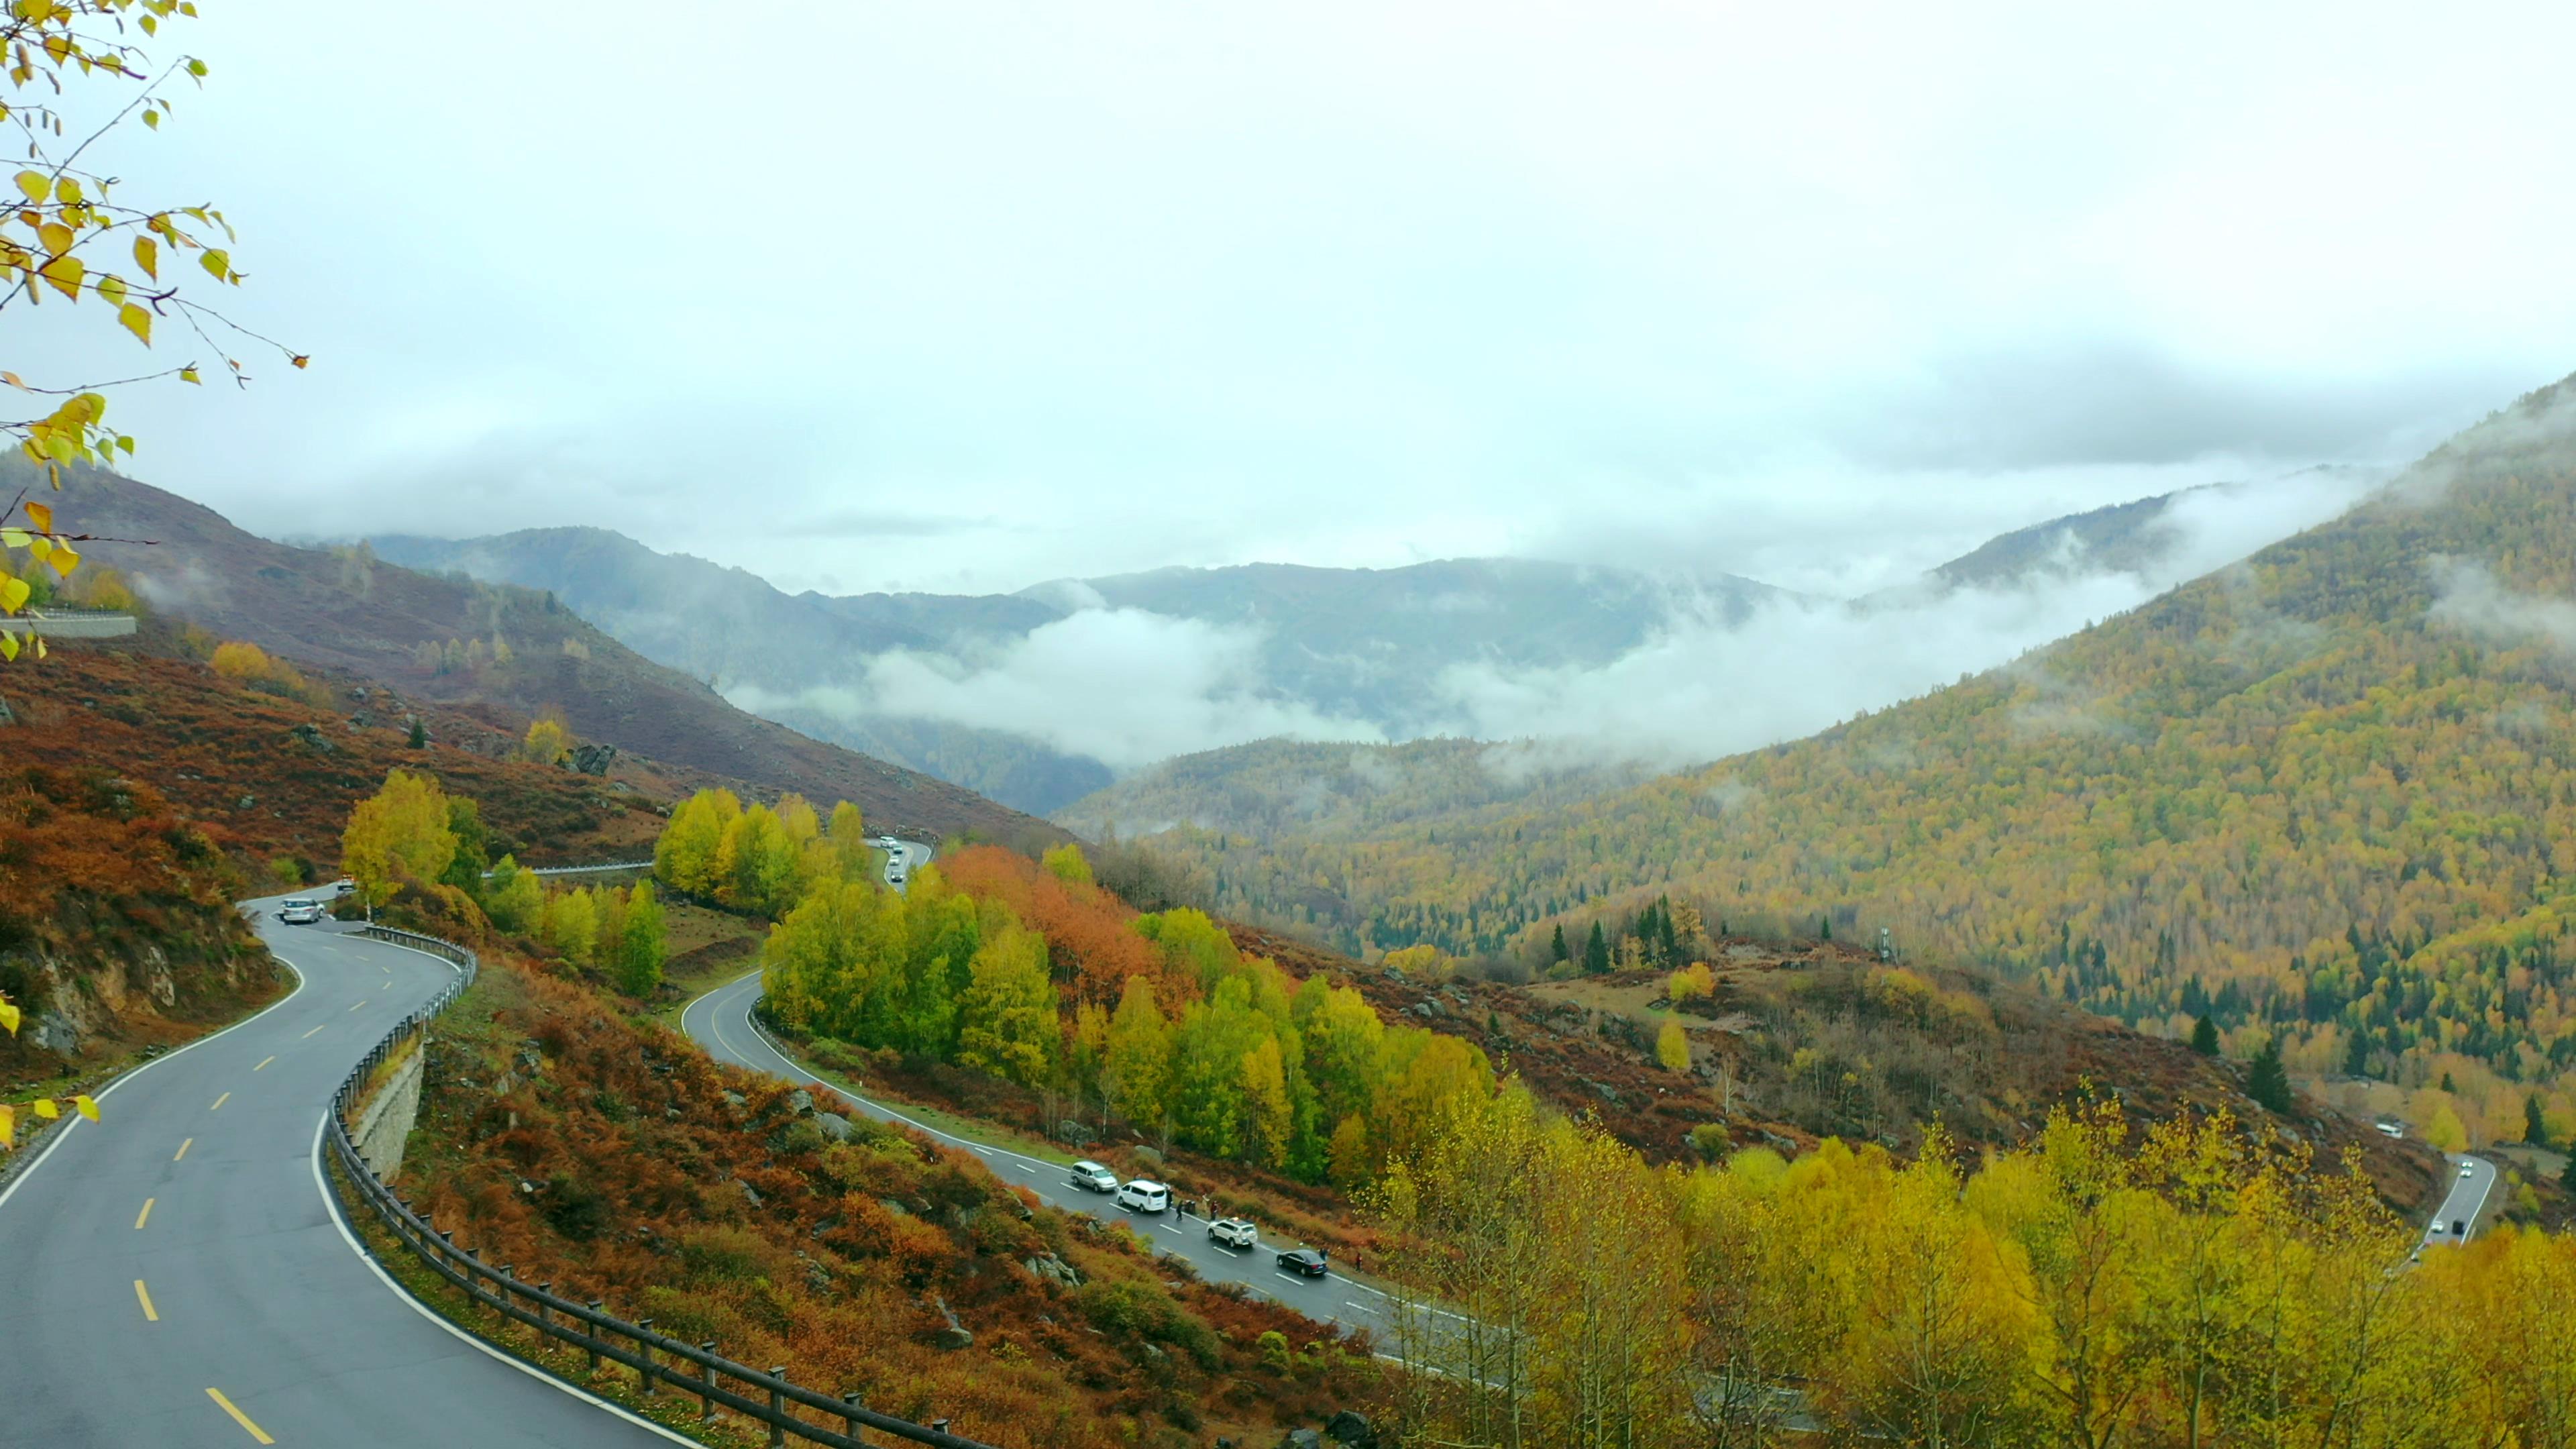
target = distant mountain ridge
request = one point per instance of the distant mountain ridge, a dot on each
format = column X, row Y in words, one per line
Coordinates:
column 441, row 638
column 979, row 689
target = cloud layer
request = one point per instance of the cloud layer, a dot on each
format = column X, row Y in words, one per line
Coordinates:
column 1073, row 293
column 1129, row 687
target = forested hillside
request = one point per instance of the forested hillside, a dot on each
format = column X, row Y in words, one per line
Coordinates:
column 471, row 645
column 2330, row 792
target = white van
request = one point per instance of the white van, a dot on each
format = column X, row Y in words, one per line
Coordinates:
column 1143, row 1196
column 1094, row 1177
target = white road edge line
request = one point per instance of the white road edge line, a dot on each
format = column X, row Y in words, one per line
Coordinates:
column 331, row 1204
column 102, row 1093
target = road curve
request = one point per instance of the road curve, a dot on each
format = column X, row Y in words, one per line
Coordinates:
column 720, row 1021
column 175, row 1275
column 2474, row 1178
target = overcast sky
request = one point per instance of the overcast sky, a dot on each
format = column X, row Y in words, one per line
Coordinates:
column 964, row 296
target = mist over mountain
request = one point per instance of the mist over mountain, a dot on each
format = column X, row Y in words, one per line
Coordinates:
column 1044, row 696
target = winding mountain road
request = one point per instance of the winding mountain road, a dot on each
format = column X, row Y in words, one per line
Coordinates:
column 721, row 1022
column 175, row 1275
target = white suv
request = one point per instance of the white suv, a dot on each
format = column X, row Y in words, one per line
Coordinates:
column 1095, row 1177
column 1235, row 1233
column 299, row 912
column 1142, row 1196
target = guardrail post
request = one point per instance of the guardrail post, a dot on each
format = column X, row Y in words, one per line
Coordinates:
column 707, row 1383
column 644, row 1351
column 545, row 1310
column 590, row 1335
column 850, row 1421
column 939, row 1426
column 777, row 1407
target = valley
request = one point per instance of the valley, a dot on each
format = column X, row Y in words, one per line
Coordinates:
column 1622, row 727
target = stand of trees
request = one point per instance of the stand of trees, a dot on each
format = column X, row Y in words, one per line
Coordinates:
column 1197, row 1044
column 411, row 833
column 2181, row 1286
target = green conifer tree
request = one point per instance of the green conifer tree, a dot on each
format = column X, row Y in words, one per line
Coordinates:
column 2266, row 1082
column 2204, row 1036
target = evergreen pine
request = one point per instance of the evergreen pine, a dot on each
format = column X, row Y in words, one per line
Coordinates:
column 419, row 735
column 2267, row 1083
column 1824, row 928
column 1556, row 947
column 2535, row 1127
column 2356, row 1054
column 2567, row 1174
column 2446, row 1083
column 2204, row 1036
column 1596, row 952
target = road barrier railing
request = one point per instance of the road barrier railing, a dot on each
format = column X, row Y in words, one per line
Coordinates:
column 658, row 1360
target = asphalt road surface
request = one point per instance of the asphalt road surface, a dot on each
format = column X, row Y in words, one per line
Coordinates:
column 2473, row 1178
column 720, row 1021
column 174, row 1275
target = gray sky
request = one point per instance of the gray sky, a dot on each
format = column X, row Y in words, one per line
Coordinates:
column 966, row 296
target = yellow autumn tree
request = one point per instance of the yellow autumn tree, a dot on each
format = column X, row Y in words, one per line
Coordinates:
column 86, row 67
column 548, row 741
column 401, row 830
column 1672, row 1047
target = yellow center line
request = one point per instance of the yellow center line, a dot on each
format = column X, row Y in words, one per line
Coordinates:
column 308, row 1035
column 264, row 1061
column 183, row 1149
column 219, row 1101
column 143, row 1216
column 146, row 1300
column 239, row 1417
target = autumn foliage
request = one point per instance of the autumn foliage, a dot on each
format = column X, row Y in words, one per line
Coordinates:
column 1003, row 965
column 622, row 1163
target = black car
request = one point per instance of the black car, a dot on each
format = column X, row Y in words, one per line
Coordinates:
column 1309, row 1261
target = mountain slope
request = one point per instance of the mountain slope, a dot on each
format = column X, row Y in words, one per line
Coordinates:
column 2331, row 792
column 440, row 637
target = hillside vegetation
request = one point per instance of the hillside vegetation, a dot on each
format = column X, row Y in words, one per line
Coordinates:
column 2328, row 794
column 116, row 925
column 617, row 1160
column 514, row 652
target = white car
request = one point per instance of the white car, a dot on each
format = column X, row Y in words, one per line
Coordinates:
column 1235, row 1233
column 1145, row 1196
column 299, row 912
column 2467, row 1170
column 343, row 886
column 1093, row 1176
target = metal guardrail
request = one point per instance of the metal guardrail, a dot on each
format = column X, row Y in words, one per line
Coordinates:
column 56, row 623
column 658, row 1360
column 580, row 869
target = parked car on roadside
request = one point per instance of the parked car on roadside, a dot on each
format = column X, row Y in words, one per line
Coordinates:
column 1093, row 1176
column 1308, row 1261
column 1235, row 1233
column 299, row 912
column 1145, row 1196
